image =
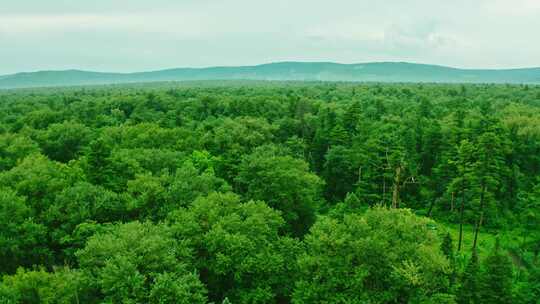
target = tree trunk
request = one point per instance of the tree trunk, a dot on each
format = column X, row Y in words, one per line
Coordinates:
column 481, row 216
column 395, row 191
column 383, row 199
column 461, row 209
column 452, row 201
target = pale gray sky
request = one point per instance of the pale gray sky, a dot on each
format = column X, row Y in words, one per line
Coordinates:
column 136, row 35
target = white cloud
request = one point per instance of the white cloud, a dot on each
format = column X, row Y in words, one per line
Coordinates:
column 515, row 8
column 131, row 35
column 188, row 25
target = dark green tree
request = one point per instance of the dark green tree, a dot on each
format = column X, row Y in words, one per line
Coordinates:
column 65, row 141
column 496, row 280
column 447, row 247
column 97, row 153
column 382, row 256
column 140, row 263
column 284, row 183
column 469, row 291
column 237, row 248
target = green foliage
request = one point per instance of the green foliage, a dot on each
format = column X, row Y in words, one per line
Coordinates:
column 14, row 148
column 79, row 204
column 339, row 170
column 64, row 141
column 226, row 301
column 447, row 247
column 141, row 263
column 97, row 153
column 285, row 184
column 194, row 179
column 38, row 286
column 469, row 292
column 39, row 180
column 21, row 238
column 382, row 256
column 125, row 194
column 497, row 277
column 238, row 249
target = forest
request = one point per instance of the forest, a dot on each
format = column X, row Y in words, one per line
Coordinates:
column 270, row 192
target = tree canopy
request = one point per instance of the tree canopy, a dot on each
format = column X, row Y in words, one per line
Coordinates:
column 270, row 192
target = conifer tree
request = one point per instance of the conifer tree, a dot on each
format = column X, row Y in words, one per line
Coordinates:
column 447, row 247
column 469, row 290
column 226, row 301
column 496, row 281
column 352, row 201
column 97, row 153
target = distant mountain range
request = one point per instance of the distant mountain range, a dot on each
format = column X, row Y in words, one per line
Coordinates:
column 282, row 71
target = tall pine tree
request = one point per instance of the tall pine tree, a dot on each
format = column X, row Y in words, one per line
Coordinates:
column 496, row 281
column 448, row 250
column 469, row 291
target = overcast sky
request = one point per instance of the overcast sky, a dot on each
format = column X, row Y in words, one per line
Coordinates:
column 136, row 35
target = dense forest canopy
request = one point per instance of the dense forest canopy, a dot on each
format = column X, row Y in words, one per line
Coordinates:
column 269, row 192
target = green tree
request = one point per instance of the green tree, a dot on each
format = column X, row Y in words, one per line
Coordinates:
column 496, row 280
column 39, row 180
column 383, row 256
column 194, row 179
column 231, row 139
column 141, row 263
column 79, row 204
column 284, row 183
column 447, row 247
column 64, row 141
column 461, row 183
column 22, row 240
column 339, row 172
column 63, row 286
column 487, row 173
column 97, row 153
column 14, row 148
column 237, row 248
column 469, row 291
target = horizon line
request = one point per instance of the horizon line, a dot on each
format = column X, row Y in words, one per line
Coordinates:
column 269, row 63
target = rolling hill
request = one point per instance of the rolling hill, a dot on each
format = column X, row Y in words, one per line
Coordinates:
column 282, row 71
